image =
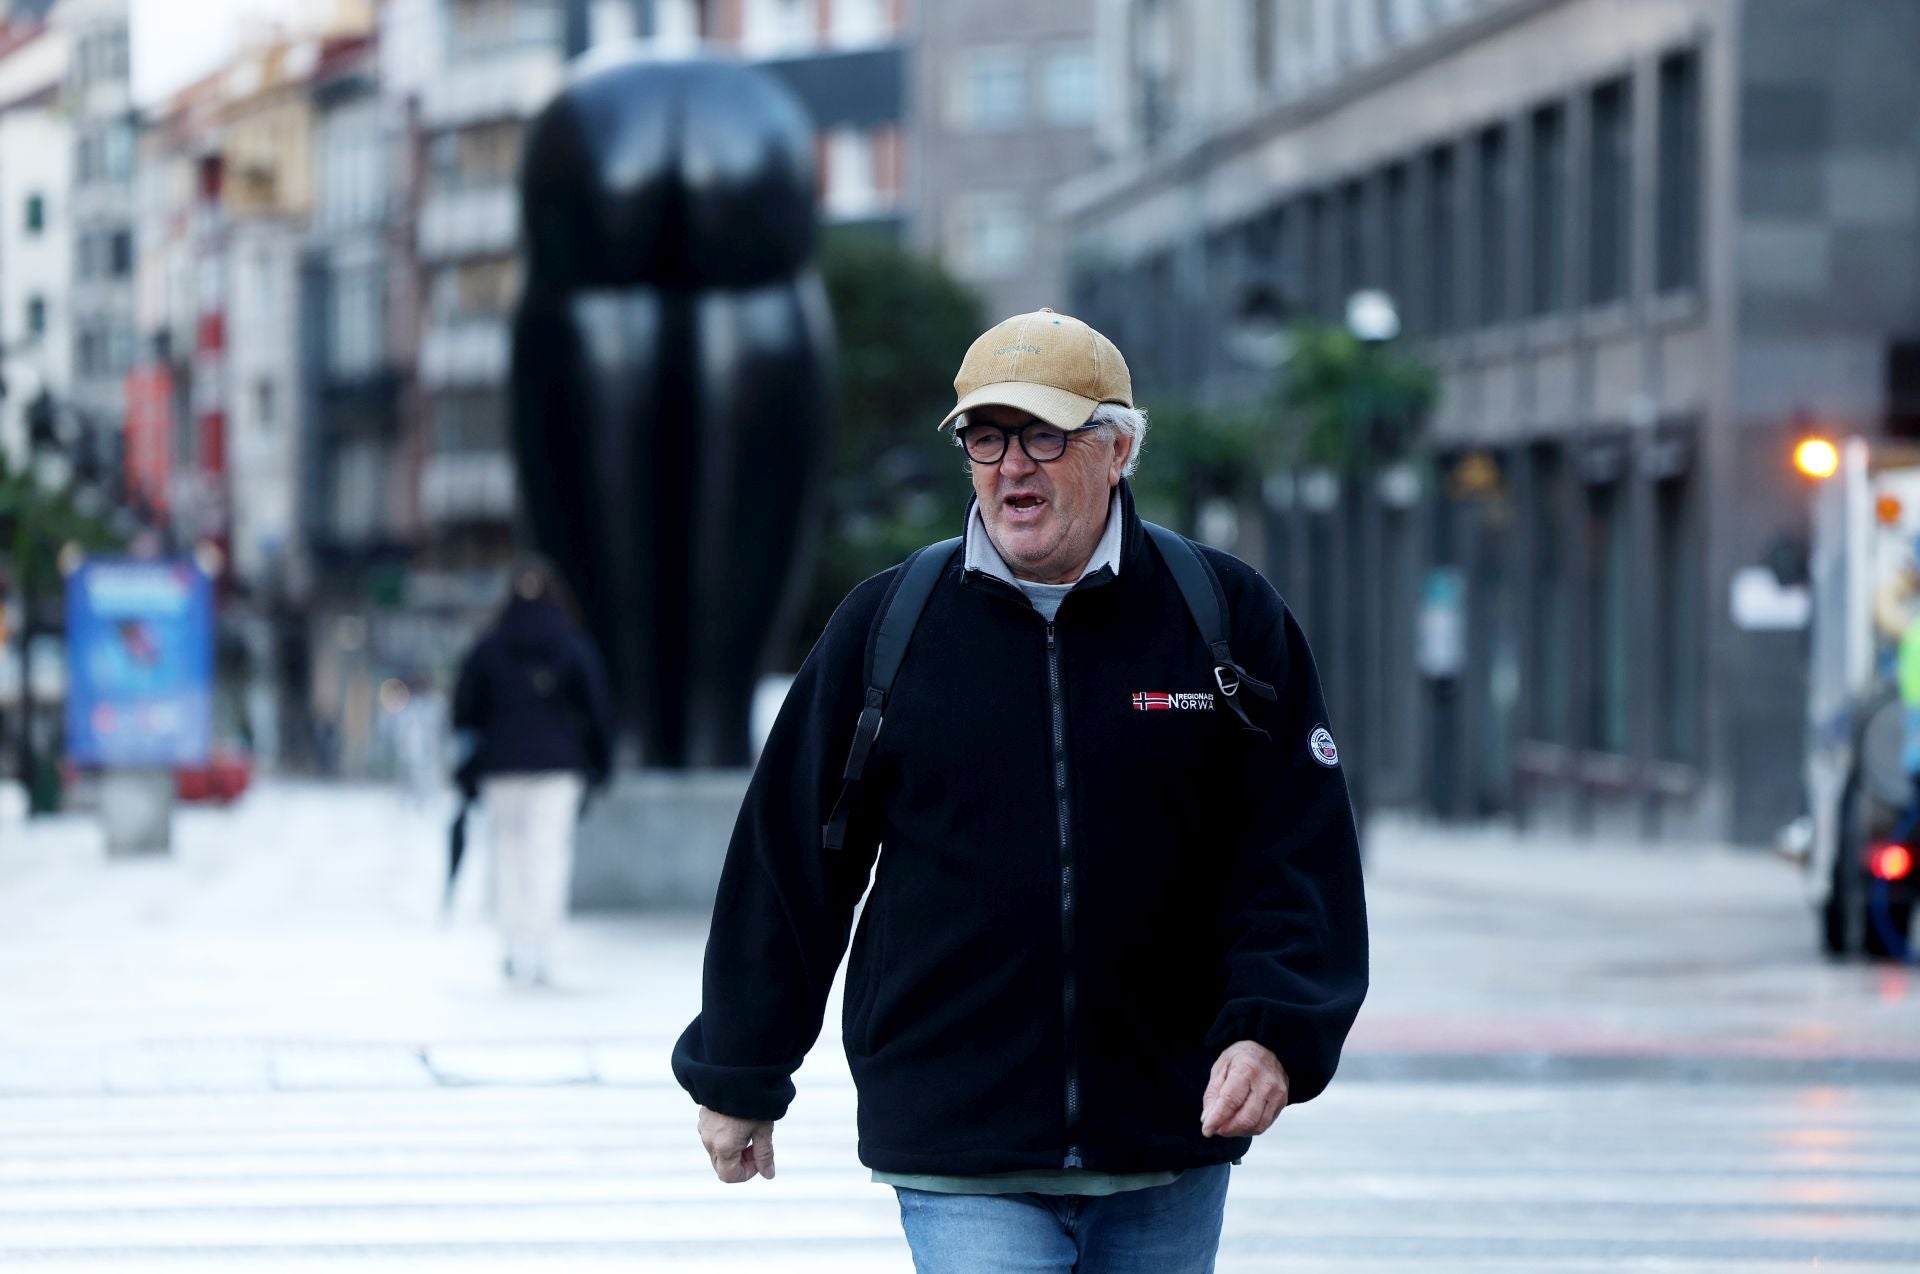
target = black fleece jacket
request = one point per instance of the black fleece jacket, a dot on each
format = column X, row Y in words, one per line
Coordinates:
column 535, row 692
column 1060, row 938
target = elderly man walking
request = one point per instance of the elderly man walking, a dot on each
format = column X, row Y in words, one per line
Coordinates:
column 1116, row 924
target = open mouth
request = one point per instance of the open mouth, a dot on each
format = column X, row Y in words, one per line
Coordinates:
column 1024, row 502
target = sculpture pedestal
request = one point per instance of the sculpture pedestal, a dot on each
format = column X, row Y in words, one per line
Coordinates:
column 657, row 838
column 136, row 812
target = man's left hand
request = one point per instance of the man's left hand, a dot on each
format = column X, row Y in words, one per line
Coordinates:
column 1246, row 1094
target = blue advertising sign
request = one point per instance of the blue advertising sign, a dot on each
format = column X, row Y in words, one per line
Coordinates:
column 140, row 663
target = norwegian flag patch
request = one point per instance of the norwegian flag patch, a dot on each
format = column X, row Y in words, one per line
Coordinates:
column 1170, row 701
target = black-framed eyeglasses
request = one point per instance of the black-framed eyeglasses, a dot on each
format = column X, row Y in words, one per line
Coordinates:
column 1042, row 442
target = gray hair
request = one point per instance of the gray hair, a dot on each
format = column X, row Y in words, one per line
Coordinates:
column 1113, row 420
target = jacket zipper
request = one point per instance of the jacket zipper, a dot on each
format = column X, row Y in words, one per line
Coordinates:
column 1068, row 989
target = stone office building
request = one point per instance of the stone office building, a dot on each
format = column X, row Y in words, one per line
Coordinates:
column 1645, row 245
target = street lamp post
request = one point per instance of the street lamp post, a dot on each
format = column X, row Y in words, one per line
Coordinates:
column 62, row 465
column 1374, row 321
column 41, row 480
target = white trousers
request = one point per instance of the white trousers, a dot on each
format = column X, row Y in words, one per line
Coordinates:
column 531, row 817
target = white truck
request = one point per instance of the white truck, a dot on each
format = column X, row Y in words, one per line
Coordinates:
column 1865, row 585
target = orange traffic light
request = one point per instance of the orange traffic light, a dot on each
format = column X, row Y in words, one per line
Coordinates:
column 1817, row 458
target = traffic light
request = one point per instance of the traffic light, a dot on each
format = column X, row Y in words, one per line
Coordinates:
column 1817, row 458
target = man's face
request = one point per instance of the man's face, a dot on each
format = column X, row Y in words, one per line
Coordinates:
column 1046, row 519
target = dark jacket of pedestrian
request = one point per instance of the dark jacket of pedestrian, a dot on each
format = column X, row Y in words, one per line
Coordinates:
column 1080, row 902
column 534, row 693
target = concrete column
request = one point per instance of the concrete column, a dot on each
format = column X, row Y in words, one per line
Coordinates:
column 136, row 812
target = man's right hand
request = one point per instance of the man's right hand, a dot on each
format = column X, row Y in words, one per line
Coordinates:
column 739, row 1148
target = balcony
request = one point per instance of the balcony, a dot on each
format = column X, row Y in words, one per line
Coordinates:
column 467, row 486
column 468, row 223
column 464, row 353
column 505, row 87
column 481, row 31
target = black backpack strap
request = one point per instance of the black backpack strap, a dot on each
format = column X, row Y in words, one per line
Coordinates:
column 1201, row 589
column 886, row 649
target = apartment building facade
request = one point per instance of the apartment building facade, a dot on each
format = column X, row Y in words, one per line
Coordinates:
column 99, row 110
column 1644, row 246
column 1007, row 101
column 36, row 248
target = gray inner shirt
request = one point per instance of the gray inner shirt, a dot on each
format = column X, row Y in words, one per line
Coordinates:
column 1046, row 598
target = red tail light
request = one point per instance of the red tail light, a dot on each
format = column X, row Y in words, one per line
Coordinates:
column 1890, row 862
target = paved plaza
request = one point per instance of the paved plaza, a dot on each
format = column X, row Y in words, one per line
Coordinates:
column 271, row 1052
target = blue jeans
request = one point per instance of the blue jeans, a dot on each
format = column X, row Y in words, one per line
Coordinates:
column 1170, row 1229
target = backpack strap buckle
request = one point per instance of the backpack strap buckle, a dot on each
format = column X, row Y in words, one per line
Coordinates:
column 865, row 731
column 1226, row 679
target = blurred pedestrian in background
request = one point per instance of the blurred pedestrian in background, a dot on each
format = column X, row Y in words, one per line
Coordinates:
column 533, row 695
column 1117, row 924
column 416, row 726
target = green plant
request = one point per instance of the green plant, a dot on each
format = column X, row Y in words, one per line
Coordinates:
column 1196, row 453
column 895, row 483
column 1350, row 404
column 35, row 525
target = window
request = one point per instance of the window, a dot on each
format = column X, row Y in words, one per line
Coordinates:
column 489, row 155
column 857, row 22
column 1495, row 186
column 35, row 220
column 122, row 347
column 1405, row 18
column 1337, row 22
column 1292, row 260
column 1607, row 617
column 1069, row 88
column 1353, row 241
column 1610, row 194
column 1260, row 43
column 779, row 26
column 1677, row 612
column 1678, row 231
column 1152, row 62
column 1320, row 282
column 263, row 405
column 850, row 178
column 1547, row 209
column 993, row 89
column 1299, row 43
column 990, row 236
column 357, row 321
column 352, row 178
column 1550, row 632
column 36, row 315
column 443, row 160
column 117, row 151
column 470, row 421
column 1396, row 277
column 1442, row 218
column 120, row 253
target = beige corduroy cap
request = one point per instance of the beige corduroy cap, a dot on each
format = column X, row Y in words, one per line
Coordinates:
column 1049, row 365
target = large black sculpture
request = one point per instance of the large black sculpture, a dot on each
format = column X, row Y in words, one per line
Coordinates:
column 671, row 359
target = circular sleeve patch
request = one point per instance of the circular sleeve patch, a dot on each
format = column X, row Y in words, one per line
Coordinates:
column 1320, row 743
